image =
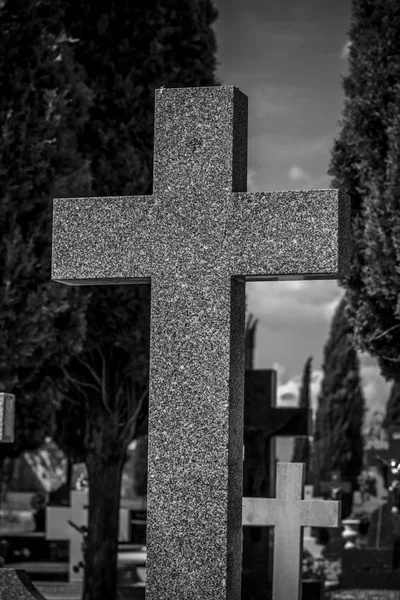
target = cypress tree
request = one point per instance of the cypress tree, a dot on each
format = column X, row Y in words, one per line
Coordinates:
column 365, row 164
column 41, row 323
column 338, row 443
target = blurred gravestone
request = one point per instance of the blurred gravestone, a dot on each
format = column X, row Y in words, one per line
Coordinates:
column 14, row 584
column 289, row 512
column 263, row 421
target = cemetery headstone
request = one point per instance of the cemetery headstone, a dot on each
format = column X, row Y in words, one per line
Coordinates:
column 14, row 583
column 198, row 239
column 263, row 420
column 60, row 526
column 7, row 416
column 289, row 513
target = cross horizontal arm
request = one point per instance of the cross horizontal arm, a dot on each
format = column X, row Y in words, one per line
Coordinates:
column 289, row 422
column 103, row 240
column 320, row 513
column 299, row 234
column 259, row 512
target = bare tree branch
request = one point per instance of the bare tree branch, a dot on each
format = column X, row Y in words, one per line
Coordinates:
column 128, row 430
column 104, row 400
column 93, row 373
column 377, row 337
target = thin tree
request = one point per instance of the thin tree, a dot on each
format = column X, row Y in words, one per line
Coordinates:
column 301, row 450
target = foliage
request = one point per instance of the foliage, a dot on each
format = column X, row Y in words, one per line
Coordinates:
column 125, row 51
column 41, row 323
column 338, row 443
column 392, row 416
column 365, row 163
column 78, row 114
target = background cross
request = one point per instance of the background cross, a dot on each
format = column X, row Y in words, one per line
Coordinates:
column 289, row 513
column 263, row 421
column 59, row 528
column 197, row 239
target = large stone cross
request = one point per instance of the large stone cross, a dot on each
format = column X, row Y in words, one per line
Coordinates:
column 197, row 240
column 289, row 513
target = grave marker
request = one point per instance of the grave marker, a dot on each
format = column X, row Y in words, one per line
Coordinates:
column 7, row 417
column 289, row 513
column 263, row 420
column 58, row 528
column 198, row 239
column 14, row 583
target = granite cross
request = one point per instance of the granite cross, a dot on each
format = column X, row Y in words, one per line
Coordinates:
column 289, row 513
column 198, row 238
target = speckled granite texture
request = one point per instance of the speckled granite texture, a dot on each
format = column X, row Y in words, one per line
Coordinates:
column 7, row 412
column 198, row 238
column 16, row 585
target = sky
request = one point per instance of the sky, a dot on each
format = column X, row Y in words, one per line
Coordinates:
column 288, row 57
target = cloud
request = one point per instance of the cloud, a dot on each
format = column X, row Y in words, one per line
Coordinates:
column 268, row 98
column 375, row 389
column 251, row 180
column 281, row 148
column 296, row 173
column 345, row 50
column 280, row 369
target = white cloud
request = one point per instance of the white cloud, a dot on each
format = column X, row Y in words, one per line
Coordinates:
column 375, row 389
column 251, row 180
column 279, row 147
column 296, row 173
column 345, row 50
column 280, row 369
column 330, row 307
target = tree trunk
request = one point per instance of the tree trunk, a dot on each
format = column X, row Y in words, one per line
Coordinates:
column 104, row 474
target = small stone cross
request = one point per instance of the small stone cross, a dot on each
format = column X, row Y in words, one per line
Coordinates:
column 197, row 240
column 289, row 513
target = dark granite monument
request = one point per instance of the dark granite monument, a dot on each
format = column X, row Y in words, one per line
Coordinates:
column 198, row 239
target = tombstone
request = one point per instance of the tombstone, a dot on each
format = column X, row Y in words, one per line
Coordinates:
column 263, row 420
column 198, row 239
column 7, row 417
column 289, row 513
column 58, row 527
column 14, row 583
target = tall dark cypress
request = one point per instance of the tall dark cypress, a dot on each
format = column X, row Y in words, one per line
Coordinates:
column 338, row 442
